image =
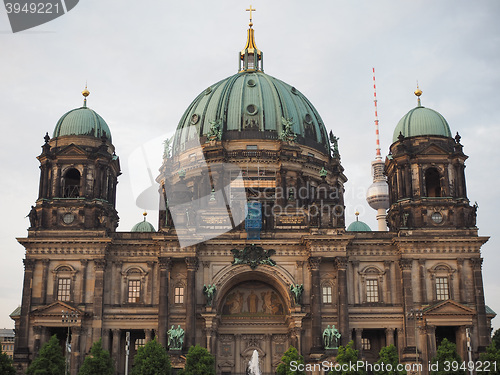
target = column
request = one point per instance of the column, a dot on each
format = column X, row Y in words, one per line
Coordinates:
column 192, row 266
column 99, row 268
column 359, row 341
column 314, row 264
column 115, row 349
column 389, row 336
column 165, row 265
column 431, row 341
column 237, row 354
column 461, row 280
column 343, row 312
column 355, row 271
column 37, row 332
column 22, row 336
column 56, row 191
column 482, row 327
column 117, row 283
column 105, row 339
column 75, row 350
column 423, row 289
column 45, row 280
column 149, row 289
column 147, row 335
column 406, row 266
column 269, row 357
column 83, row 291
column 388, row 283
column 83, row 182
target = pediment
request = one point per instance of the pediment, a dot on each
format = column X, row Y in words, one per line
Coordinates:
column 72, row 150
column 448, row 307
column 433, row 149
column 55, row 310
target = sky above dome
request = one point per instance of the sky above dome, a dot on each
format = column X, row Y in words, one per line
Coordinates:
column 146, row 61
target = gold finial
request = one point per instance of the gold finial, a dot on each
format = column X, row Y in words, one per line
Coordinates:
column 251, row 10
column 418, row 92
column 85, row 93
column 357, row 214
column 144, row 214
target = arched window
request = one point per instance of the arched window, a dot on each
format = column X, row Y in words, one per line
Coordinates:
column 64, row 279
column 71, row 183
column 432, row 182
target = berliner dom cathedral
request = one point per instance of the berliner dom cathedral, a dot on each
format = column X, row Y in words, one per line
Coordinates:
column 251, row 251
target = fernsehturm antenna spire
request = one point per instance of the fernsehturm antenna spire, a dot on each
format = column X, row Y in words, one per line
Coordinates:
column 377, row 195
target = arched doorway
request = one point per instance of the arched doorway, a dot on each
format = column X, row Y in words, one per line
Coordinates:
column 253, row 313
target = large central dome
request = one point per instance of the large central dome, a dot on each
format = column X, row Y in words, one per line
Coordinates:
column 251, row 105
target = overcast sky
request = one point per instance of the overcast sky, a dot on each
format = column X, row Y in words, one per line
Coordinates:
column 145, row 61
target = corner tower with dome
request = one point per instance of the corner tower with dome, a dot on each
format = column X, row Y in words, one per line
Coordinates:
column 251, row 251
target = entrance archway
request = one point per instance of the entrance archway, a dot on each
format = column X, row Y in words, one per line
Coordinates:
column 253, row 313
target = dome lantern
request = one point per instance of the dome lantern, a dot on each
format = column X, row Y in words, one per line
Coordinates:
column 251, row 58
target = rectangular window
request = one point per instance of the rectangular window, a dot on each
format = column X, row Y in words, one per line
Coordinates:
column 64, row 289
column 371, row 290
column 365, row 344
column 442, row 291
column 134, row 291
column 327, row 294
column 179, row 295
column 252, row 147
column 139, row 343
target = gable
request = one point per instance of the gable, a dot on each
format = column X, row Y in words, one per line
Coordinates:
column 55, row 310
column 433, row 149
column 449, row 307
column 72, row 150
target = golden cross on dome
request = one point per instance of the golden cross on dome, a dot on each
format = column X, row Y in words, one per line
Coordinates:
column 251, row 10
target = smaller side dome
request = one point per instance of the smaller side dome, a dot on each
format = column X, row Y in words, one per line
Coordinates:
column 421, row 121
column 143, row 226
column 82, row 121
column 358, row 226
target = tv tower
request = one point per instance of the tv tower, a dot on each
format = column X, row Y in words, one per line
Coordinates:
column 377, row 195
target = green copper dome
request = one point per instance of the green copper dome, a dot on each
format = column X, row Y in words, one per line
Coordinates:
column 82, row 121
column 143, row 226
column 422, row 121
column 252, row 105
column 358, row 226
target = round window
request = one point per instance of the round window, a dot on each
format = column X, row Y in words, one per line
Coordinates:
column 194, row 119
column 252, row 109
column 251, row 83
column 437, row 217
column 308, row 118
column 208, row 90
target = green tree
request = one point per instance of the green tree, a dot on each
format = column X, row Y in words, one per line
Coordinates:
column 388, row 355
column 492, row 355
column 50, row 360
column 496, row 338
column 6, row 367
column 346, row 356
column 98, row 361
column 291, row 355
column 447, row 352
column 199, row 361
column 151, row 359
